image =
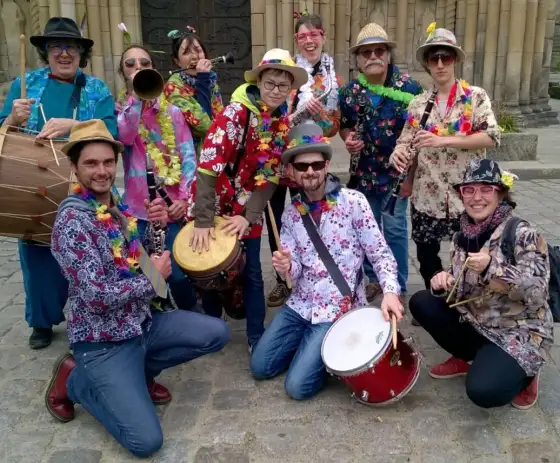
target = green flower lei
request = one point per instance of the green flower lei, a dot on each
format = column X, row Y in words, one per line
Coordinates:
column 394, row 94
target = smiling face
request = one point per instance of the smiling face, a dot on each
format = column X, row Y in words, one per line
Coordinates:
column 96, row 168
column 480, row 200
column 373, row 60
column 310, row 41
column 440, row 63
column 309, row 170
column 64, row 57
column 274, row 86
column 189, row 54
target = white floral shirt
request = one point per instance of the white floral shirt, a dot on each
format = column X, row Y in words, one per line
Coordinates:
column 349, row 232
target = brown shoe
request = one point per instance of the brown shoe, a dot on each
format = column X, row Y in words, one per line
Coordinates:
column 278, row 295
column 159, row 394
column 372, row 291
column 56, row 398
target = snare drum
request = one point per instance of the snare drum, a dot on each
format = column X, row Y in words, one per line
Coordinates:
column 32, row 185
column 358, row 349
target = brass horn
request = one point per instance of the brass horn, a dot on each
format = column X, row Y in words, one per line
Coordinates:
column 148, row 84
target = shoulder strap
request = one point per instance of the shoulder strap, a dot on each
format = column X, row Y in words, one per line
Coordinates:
column 507, row 241
column 326, row 257
column 232, row 172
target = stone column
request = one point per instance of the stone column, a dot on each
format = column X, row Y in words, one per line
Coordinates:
column 257, row 29
column 270, row 31
column 440, row 12
column 340, row 51
column 491, row 47
column 129, row 18
column 538, row 55
column 115, row 17
column 44, row 13
column 80, row 12
column 55, row 10
column 514, row 54
column 68, row 9
column 527, row 61
column 501, row 60
column 481, row 30
column 469, row 42
column 547, row 52
column 331, row 31
column 94, row 23
column 106, row 46
column 400, row 37
column 287, row 35
column 450, row 8
column 460, row 25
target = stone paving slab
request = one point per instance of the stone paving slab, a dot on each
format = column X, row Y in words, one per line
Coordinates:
column 220, row 414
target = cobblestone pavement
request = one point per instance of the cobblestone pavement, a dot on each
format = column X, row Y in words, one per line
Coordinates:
column 220, row 414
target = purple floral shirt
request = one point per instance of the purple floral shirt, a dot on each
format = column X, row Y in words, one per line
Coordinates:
column 134, row 156
column 350, row 232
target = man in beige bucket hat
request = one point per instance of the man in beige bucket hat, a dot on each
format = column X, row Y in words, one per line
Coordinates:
column 377, row 101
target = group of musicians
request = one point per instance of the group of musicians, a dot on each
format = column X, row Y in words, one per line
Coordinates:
column 230, row 162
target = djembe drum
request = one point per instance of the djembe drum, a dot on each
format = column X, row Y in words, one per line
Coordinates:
column 218, row 269
column 34, row 180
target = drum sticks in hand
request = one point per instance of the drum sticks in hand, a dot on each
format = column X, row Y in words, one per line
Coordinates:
column 277, row 239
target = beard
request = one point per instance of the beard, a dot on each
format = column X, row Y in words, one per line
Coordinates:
column 312, row 182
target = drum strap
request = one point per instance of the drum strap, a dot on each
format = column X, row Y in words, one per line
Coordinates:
column 232, row 172
column 328, row 260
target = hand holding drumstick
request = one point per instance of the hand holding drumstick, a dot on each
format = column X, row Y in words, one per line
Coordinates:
column 282, row 259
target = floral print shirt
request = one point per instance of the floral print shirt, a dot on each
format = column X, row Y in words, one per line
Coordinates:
column 441, row 168
column 130, row 114
column 515, row 313
column 384, row 121
column 350, row 233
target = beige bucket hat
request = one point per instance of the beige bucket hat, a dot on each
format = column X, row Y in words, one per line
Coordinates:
column 277, row 58
column 440, row 38
column 372, row 33
column 92, row 130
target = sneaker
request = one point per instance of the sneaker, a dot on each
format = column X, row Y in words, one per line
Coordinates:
column 528, row 396
column 451, row 368
column 40, row 338
column 372, row 291
column 278, row 295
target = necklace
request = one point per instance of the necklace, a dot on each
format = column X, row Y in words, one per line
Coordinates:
column 127, row 267
column 381, row 90
column 328, row 202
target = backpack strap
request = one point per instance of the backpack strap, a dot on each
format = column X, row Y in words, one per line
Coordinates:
column 232, row 172
column 507, row 241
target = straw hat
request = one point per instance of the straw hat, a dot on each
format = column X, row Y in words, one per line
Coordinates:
column 439, row 38
column 372, row 33
column 278, row 58
column 306, row 137
column 92, row 130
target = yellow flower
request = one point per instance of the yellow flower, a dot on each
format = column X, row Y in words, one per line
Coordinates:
column 507, row 178
column 431, row 28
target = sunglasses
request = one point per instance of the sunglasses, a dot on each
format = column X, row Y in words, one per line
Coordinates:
column 144, row 62
column 303, row 166
column 378, row 52
column 468, row 191
column 313, row 35
column 445, row 59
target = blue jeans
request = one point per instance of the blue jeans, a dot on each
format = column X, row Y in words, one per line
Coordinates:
column 46, row 289
column 292, row 343
column 110, row 378
column 395, row 231
column 253, row 292
column 181, row 287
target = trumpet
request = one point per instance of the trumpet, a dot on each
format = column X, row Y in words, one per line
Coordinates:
column 148, row 84
column 227, row 58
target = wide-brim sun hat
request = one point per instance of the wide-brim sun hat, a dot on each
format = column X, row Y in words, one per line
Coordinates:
column 306, row 137
column 89, row 131
column 59, row 28
column 280, row 59
column 488, row 172
column 439, row 38
column 372, row 34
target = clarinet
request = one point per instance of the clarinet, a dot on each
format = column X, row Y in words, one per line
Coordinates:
column 155, row 231
column 169, row 202
column 360, row 127
column 395, row 193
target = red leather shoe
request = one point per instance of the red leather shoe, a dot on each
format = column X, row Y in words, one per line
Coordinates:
column 528, row 396
column 159, row 394
column 451, row 368
column 56, row 398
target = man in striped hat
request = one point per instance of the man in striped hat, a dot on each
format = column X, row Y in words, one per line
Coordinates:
column 373, row 112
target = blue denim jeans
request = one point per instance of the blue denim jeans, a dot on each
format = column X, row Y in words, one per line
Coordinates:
column 181, row 287
column 46, row 289
column 253, row 292
column 292, row 343
column 395, row 231
column 110, row 378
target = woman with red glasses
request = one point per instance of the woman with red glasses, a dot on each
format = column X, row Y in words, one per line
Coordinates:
column 501, row 323
column 461, row 126
column 310, row 38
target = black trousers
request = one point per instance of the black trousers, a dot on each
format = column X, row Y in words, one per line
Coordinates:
column 277, row 203
column 429, row 260
column 494, row 378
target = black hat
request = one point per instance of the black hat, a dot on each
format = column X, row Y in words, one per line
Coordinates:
column 60, row 28
column 483, row 171
column 306, row 137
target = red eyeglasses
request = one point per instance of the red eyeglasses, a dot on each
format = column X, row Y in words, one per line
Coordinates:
column 446, row 59
column 313, row 35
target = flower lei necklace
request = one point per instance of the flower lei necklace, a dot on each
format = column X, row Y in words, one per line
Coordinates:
column 127, row 267
column 267, row 128
column 463, row 125
column 381, row 90
column 171, row 172
column 328, row 202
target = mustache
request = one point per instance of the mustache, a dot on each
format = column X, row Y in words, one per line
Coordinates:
column 377, row 61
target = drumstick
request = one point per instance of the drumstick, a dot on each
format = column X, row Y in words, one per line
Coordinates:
column 22, row 63
column 457, row 282
column 394, row 329
column 476, row 298
column 277, row 239
column 52, row 144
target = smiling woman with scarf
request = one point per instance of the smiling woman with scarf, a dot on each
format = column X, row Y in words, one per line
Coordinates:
column 502, row 323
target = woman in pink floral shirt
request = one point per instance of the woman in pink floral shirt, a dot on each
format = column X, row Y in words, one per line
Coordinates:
column 156, row 130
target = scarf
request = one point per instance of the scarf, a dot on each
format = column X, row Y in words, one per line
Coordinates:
column 472, row 236
column 191, row 80
column 306, row 91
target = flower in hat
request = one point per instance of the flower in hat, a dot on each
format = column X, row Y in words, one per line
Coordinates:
column 508, row 178
column 430, row 30
column 126, row 34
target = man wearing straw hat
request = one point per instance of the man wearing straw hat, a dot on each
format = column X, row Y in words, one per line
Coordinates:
column 348, row 229
column 375, row 104
column 53, row 100
column 119, row 345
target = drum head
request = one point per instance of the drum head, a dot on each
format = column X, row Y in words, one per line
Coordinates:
column 220, row 249
column 355, row 340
